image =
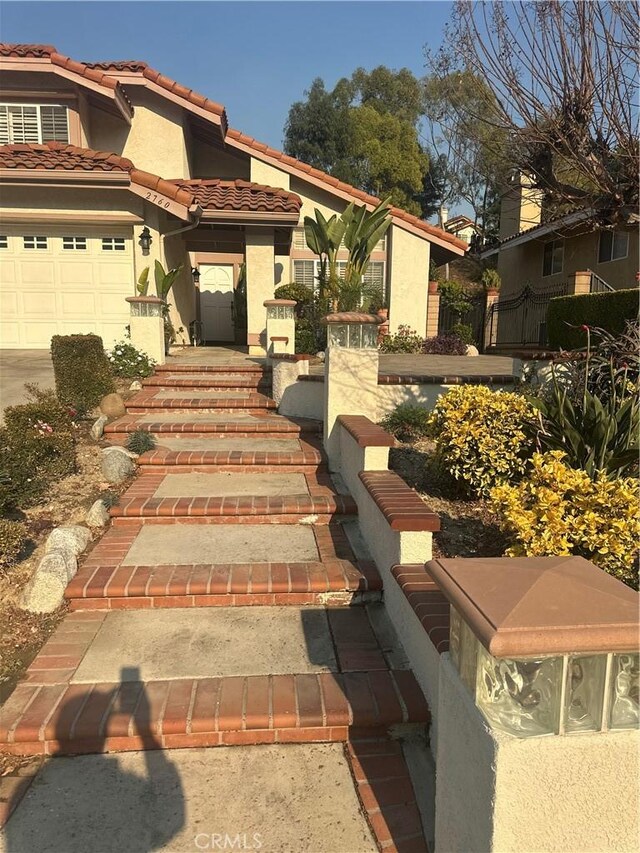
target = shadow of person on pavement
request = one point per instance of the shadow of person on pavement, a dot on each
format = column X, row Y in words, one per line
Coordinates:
column 132, row 802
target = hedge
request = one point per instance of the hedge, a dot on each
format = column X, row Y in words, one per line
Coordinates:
column 609, row 311
column 81, row 369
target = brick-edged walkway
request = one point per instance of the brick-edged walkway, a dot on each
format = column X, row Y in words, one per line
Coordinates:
column 55, row 710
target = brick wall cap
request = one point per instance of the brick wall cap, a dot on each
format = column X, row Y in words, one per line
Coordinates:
column 434, row 286
column 365, row 432
column 289, row 356
column 145, row 299
column 401, row 505
column 527, row 606
column 286, row 302
column 352, row 317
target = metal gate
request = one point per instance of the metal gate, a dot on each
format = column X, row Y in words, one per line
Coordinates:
column 474, row 317
column 522, row 319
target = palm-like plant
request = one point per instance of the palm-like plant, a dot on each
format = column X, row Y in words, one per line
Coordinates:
column 165, row 280
column 363, row 233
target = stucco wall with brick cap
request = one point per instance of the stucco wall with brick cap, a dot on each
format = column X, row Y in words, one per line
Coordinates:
column 351, row 317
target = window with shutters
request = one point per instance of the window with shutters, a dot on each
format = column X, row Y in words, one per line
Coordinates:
column 306, row 273
column 34, row 242
column 33, row 124
column 113, row 244
column 77, row 243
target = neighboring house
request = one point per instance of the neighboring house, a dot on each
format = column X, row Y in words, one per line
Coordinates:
column 545, row 255
column 462, row 227
column 93, row 153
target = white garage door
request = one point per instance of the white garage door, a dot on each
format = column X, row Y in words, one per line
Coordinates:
column 62, row 280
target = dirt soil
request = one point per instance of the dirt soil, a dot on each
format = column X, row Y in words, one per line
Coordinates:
column 22, row 634
column 468, row 526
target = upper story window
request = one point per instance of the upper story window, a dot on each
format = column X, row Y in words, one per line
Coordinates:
column 614, row 245
column 33, row 124
column 553, row 258
column 300, row 243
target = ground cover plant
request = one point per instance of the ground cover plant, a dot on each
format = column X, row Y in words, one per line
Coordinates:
column 407, row 422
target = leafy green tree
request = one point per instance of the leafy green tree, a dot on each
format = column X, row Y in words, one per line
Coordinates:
column 365, row 132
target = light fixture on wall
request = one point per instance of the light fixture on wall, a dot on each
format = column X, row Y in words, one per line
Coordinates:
column 195, row 273
column 145, row 240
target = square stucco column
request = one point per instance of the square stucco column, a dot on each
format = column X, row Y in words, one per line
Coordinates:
column 409, row 266
column 146, row 326
column 260, row 267
column 538, row 745
column 350, row 374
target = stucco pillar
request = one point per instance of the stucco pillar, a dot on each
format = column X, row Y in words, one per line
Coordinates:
column 579, row 283
column 538, row 742
column 281, row 328
column 490, row 319
column 350, row 374
column 146, row 326
column 260, row 267
column 433, row 310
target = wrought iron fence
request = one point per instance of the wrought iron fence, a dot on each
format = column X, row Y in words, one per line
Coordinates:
column 474, row 317
column 522, row 319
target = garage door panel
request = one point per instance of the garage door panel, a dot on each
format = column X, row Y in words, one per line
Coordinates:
column 8, row 304
column 38, row 303
column 38, row 272
column 80, row 304
column 64, row 291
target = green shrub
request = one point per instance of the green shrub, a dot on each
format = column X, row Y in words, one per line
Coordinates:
column 404, row 340
column 37, row 446
column 13, row 538
column 407, row 422
column 464, row 331
column 483, row 437
column 558, row 510
column 609, row 311
column 140, row 441
column 294, row 290
column 130, row 362
column 81, row 368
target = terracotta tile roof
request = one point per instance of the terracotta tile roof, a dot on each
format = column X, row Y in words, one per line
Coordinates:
column 241, row 196
column 141, row 68
column 334, row 183
column 57, row 156
column 48, row 51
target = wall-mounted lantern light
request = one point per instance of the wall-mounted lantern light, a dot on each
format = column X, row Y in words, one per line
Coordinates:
column 195, row 274
column 145, row 240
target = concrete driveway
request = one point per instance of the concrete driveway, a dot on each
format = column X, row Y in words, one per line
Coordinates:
column 18, row 366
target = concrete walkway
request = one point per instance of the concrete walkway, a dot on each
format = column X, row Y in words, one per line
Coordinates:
column 18, row 367
column 230, row 605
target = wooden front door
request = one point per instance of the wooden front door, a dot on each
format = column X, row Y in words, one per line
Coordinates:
column 216, row 302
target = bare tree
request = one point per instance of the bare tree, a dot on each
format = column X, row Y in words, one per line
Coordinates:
column 562, row 84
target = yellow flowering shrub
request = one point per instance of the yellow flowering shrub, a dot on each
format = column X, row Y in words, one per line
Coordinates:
column 483, row 437
column 560, row 511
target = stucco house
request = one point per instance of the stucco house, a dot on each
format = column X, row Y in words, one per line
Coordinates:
column 545, row 254
column 91, row 154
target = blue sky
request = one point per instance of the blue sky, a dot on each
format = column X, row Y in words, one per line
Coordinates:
column 254, row 57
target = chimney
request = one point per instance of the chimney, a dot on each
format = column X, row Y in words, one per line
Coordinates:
column 444, row 216
column 521, row 206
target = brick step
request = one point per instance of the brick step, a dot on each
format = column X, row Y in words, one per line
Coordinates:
column 240, row 367
column 271, row 509
column 74, row 718
column 332, row 583
column 146, row 401
column 230, row 459
column 212, row 381
column 262, row 424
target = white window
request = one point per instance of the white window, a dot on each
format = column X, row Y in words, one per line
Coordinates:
column 113, row 244
column 77, row 243
column 553, row 258
column 4, row 242
column 614, row 245
column 35, row 242
column 375, row 274
column 306, row 273
column 33, row 124
column 299, row 241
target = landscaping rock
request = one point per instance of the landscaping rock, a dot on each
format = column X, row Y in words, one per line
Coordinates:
column 116, row 466
column 117, row 448
column 320, row 355
column 472, row 351
column 45, row 591
column 112, row 406
column 72, row 539
column 135, row 386
column 98, row 515
column 97, row 429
